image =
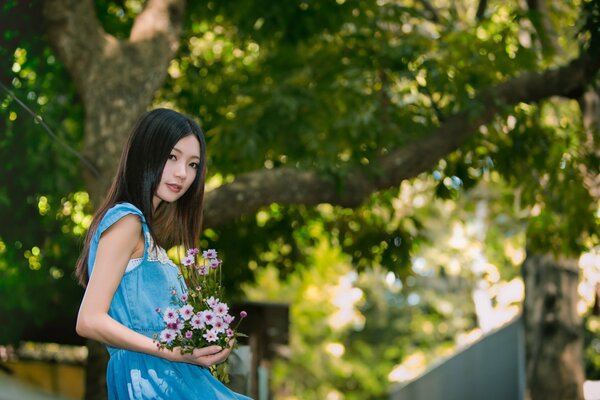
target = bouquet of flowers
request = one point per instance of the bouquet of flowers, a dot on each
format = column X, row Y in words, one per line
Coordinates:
column 199, row 318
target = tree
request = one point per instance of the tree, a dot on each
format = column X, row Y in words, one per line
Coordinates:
column 371, row 93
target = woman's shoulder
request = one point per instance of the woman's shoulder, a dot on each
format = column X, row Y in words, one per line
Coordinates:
column 118, row 211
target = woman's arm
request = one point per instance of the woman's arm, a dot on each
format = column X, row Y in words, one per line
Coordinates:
column 117, row 245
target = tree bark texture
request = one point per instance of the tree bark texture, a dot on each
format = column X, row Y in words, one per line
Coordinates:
column 553, row 329
column 589, row 103
column 116, row 80
column 542, row 22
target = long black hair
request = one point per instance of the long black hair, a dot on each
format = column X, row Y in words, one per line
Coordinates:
column 137, row 178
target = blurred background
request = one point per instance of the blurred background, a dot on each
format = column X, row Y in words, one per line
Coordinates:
column 405, row 177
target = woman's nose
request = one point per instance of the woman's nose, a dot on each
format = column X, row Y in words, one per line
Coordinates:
column 180, row 171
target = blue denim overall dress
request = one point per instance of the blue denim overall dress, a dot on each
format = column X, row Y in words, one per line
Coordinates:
column 147, row 285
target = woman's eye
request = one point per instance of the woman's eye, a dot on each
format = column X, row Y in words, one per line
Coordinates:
column 172, row 157
column 194, row 165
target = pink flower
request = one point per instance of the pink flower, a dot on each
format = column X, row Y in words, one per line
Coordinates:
column 243, row 314
column 184, row 297
column 220, row 309
column 230, row 332
column 197, row 322
column 214, row 263
column 210, row 253
column 210, row 336
column 186, row 312
column 192, row 252
column 212, row 302
column 203, row 270
column 208, row 317
column 170, row 315
column 189, row 334
column 219, row 326
column 228, row 319
column 157, row 309
column 172, row 326
column 174, row 292
column 168, row 335
column 188, row 260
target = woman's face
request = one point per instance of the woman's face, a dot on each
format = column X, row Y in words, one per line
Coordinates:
column 179, row 172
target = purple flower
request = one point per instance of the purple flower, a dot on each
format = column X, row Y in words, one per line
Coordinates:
column 192, row 252
column 219, row 326
column 188, row 260
column 208, row 317
column 212, row 302
column 228, row 319
column 197, row 322
column 186, row 312
column 172, row 326
column 202, row 270
column 214, row 263
column 243, row 314
column 210, row 253
column 157, row 309
column 220, row 309
column 168, row 335
column 170, row 315
column 210, row 336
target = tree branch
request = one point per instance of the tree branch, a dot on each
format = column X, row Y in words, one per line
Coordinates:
column 481, row 9
column 160, row 17
column 116, row 79
column 256, row 189
column 541, row 21
column 76, row 35
column 434, row 16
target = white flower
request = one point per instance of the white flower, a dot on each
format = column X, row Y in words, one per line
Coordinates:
column 170, row 315
column 212, row 302
column 208, row 317
column 197, row 322
column 219, row 325
column 168, row 335
column 203, row 270
column 210, row 253
column 220, row 309
column 186, row 312
column 210, row 336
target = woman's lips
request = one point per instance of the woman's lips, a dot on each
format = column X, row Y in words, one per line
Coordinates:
column 174, row 188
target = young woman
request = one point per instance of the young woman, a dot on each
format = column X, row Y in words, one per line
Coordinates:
column 155, row 201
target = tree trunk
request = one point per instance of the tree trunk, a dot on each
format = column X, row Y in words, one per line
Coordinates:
column 553, row 331
column 116, row 80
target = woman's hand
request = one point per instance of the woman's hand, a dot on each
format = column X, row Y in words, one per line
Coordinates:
column 205, row 356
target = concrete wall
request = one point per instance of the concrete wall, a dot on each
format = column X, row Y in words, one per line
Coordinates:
column 492, row 368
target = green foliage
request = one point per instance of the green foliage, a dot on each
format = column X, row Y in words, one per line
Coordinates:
column 592, row 347
column 41, row 226
column 328, row 86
